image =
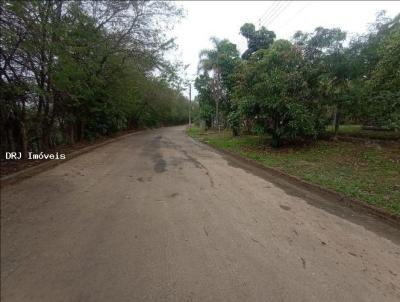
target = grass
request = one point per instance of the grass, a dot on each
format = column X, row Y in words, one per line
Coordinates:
column 357, row 131
column 370, row 173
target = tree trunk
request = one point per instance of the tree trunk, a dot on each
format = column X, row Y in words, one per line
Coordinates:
column 24, row 140
column 235, row 131
column 45, row 138
column 71, row 134
column 276, row 137
column 82, row 131
column 22, row 132
column 337, row 120
column 217, row 115
column 276, row 140
column 10, row 138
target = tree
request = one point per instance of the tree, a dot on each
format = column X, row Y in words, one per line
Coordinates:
column 74, row 70
column 293, row 90
column 221, row 60
column 205, row 99
column 374, row 64
column 256, row 39
column 327, row 67
column 273, row 92
column 383, row 105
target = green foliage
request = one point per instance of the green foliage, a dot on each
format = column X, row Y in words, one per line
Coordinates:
column 374, row 60
column 85, row 69
column 234, row 121
column 384, row 110
column 292, row 90
column 383, row 103
column 360, row 131
column 270, row 90
column 205, row 98
column 340, row 166
column 256, row 39
column 216, row 91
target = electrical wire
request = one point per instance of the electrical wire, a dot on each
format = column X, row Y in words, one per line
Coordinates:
column 277, row 14
column 270, row 11
column 294, row 16
column 267, row 11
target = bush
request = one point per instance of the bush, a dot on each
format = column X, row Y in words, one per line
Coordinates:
column 383, row 110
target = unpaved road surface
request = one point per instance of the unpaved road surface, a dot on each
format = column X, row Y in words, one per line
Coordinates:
column 158, row 217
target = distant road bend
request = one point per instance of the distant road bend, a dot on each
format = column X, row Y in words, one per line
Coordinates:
column 158, row 217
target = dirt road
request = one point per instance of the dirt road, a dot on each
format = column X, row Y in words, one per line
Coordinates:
column 159, row 217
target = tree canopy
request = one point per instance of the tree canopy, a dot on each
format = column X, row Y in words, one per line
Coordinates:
column 293, row 89
column 74, row 70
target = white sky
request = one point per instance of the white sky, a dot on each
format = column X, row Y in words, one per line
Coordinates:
column 223, row 19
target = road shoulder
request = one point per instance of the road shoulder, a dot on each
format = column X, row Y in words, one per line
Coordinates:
column 274, row 175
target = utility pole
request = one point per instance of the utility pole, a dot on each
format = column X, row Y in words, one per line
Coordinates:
column 217, row 116
column 217, row 95
column 190, row 104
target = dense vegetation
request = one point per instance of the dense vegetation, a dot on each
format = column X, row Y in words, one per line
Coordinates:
column 294, row 89
column 74, row 70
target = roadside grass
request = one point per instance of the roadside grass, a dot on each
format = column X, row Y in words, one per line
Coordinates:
column 357, row 131
column 370, row 173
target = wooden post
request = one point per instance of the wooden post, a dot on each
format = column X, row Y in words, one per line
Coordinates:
column 190, row 104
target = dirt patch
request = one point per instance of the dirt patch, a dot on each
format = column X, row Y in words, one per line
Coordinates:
column 286, row 208
column 8, row 167
column 317, row 196
column 160, row 166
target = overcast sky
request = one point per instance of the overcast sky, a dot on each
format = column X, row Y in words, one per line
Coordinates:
column 223, row 19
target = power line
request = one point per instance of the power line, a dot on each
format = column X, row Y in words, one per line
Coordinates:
column 277, row 14
column 294, row 16
column 271, row 9
column 266, row 20
column 276, row 11
column 267, row 11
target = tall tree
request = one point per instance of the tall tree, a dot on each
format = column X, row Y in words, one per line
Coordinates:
column 256, row 39
column 327, row 67
column 73, row 70
column 272, row 90
column 221, row 61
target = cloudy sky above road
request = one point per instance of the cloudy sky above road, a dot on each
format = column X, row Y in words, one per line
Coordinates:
column 223, row 19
